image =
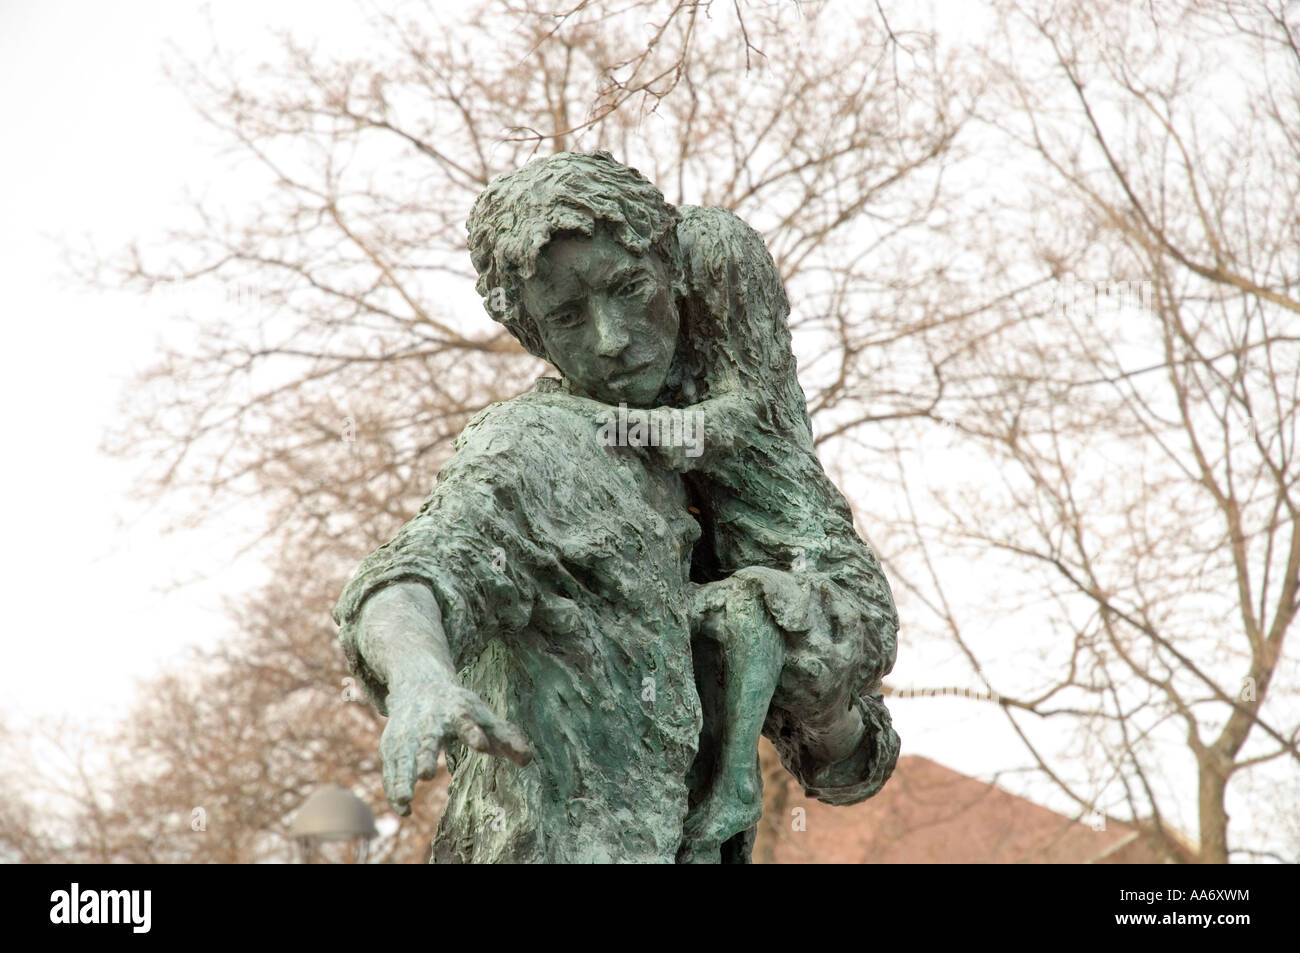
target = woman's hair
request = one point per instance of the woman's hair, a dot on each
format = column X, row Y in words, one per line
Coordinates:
column 570, row 192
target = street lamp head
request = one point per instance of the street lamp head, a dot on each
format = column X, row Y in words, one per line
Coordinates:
column 333, row 813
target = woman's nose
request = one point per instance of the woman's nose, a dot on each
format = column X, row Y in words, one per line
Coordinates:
column 611, row 328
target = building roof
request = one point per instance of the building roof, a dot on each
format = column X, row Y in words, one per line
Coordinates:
column 928, row 814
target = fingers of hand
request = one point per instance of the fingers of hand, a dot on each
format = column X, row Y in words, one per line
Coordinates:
column 426, row 761
column 470, row 733
column 504, row 739
column 408, row 751
column 399, row 777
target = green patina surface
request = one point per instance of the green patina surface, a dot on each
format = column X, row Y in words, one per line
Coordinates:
column 596, row 629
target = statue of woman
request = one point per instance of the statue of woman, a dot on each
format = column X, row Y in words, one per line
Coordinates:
column 595, row 634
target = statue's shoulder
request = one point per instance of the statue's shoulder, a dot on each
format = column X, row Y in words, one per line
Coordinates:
column 546, row 412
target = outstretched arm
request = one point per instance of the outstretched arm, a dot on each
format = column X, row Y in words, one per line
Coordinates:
column 400, row 637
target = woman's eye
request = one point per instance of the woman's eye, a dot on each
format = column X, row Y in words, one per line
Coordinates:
column 566, row 319
column 631, row 286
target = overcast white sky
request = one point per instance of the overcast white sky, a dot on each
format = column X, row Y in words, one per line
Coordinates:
column 96, row 145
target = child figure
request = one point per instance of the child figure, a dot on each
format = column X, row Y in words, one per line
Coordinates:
column 795, row 624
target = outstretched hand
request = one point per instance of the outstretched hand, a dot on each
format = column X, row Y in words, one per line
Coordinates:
column 399, row 634
column 425, row 717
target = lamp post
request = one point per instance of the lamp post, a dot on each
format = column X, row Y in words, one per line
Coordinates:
column 333, row 813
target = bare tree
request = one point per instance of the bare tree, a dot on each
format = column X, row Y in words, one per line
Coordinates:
column 1131, row 423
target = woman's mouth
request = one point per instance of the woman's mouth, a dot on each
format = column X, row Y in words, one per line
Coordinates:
column 623, row 378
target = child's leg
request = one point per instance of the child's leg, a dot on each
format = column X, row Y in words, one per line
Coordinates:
column 731, row 614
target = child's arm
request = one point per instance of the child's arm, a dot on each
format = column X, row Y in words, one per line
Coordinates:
column 710, row 431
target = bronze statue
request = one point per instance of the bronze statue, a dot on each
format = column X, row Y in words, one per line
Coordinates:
column 625, row 575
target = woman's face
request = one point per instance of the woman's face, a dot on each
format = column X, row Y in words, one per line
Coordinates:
column 607, row 317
